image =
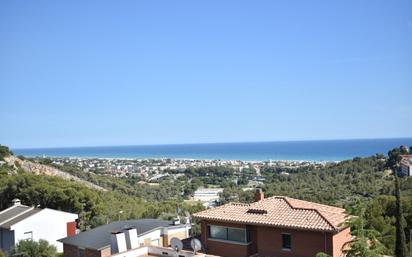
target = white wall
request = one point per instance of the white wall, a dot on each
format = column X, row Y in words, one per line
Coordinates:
column 133, row 253
column 158, row 251
column 152, row 236
column 207, row 195
column 47, row 224
column 173, row 230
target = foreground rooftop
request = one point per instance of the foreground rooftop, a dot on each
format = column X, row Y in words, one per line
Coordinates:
column 99, row 237
column 280, row 211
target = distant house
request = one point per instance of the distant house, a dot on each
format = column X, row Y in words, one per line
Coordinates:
column 276, row 226
column 20, row 222
column 208, row 196
column 122, row 236
column 406, row 165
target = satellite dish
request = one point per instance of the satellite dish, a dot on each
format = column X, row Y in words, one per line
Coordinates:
column 176, row 244
column 196, row 244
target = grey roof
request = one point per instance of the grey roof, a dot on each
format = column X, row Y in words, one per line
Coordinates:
column 15, row 214
column 99, row 238
column 19, row 218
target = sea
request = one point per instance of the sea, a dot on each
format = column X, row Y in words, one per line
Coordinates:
column 316, row 150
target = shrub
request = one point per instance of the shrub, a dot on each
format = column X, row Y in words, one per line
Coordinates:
column 30, row 248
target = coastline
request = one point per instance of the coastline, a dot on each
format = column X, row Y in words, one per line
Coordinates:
column 185, row 159
column 291, row 151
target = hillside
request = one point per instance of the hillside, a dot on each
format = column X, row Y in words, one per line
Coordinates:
column 40, row 169
column 95, row 207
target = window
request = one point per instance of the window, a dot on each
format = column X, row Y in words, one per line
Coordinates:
column 227, row 233
column 286, row 242
column 81, row 252
column 28, row 235
column 236, row 234
column 218, row 232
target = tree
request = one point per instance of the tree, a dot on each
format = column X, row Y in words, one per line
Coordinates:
column 2, row 254
column 400, row 247
column 393, row 162
column 365, row 243
column 4, row 152
column 394, row 157
column 30, row 248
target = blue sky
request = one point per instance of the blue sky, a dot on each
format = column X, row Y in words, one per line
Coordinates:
column 85, row 73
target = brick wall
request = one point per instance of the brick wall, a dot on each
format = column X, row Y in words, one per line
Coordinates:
column 94, row 253
column 226, row 250
column 304, row 243
column 267, row 241
column 70, row 251
column 221, row 248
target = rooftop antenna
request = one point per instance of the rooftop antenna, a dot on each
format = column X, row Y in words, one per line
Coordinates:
column 176, row 244
column 196, row 245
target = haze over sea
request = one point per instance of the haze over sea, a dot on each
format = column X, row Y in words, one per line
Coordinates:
column 320, row 150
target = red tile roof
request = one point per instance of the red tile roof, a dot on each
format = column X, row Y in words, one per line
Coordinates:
column 280, row 211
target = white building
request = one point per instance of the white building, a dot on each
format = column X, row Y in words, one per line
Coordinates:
column 20, row 222
column 406, row 165
column 208, row 196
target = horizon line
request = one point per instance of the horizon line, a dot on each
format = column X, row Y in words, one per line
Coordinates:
column 211, row 143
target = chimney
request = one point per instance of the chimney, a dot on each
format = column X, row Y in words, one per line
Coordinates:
column 176, row 221
column 131, row 238
column 259, row 195
column 118, row 242
column 16, row 201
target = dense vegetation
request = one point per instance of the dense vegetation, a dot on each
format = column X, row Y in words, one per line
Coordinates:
column 337, row 184
column 359, row 184
column 362, row 181
column 94, row 207
column 180, row 185
column 29, row 248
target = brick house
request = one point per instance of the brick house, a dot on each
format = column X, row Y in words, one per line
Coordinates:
column 276, row 226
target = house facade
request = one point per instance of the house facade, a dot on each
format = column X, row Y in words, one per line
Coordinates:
column 277, row 226
column 406, row 166
column 121, row 237
column 21, row 222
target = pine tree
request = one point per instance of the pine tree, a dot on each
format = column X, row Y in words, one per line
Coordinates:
column 400, row 247
column 365, row 243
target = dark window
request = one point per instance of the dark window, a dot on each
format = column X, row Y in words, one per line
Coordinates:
column 81, row 252
column 286, row 241
column 28, row 235
column 228, row 233
column 236, row 234
column 218, row 232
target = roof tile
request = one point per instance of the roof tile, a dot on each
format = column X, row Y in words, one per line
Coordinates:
column 280, row 211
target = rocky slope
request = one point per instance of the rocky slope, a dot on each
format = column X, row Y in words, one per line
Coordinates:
column 40, row 169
